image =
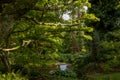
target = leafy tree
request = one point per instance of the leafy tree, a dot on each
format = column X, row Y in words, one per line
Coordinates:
column 37, row 27
column 106, row 35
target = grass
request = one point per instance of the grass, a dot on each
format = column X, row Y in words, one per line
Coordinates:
column 111, row 76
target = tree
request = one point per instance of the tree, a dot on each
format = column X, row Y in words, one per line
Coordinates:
column 38, row 25
column 106, row 31
column 9, row 14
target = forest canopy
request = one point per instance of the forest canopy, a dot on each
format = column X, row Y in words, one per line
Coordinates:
column 84, row 33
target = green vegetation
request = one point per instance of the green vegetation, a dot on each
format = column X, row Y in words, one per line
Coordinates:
column 36, row 36
column 12, row 76
column 112, row 76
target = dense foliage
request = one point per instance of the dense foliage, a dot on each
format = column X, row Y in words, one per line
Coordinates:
column 37, row 34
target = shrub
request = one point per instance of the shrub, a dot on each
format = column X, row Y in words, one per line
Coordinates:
column 107, row 68
column 67, row 73
column 69, row 58
column 12, row 76
column 2, row 68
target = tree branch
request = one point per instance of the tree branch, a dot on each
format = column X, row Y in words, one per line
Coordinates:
column 49, row 24
column 10, row 49
column 48, row 8
column 22, row 30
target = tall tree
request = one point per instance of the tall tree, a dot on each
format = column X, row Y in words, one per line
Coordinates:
column 108, row 12
column 38, row 24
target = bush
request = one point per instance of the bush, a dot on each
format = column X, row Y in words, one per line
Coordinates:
column 12, row 76
column 107, row 68
column 2, row 68
column 69, row 74
column 34, row 75
column 114, row 63
column 80, row 63
column 69, row 58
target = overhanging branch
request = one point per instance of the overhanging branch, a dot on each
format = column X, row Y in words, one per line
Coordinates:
column 28, row 28
column 58, row 24
column 51, row 8
column 10, row 49
column 49, row 24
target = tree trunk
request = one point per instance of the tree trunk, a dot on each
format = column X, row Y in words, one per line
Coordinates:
column 6, row 24
column 74, row 47
column 5, row 61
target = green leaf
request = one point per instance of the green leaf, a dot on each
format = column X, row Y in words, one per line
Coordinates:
column 87, row 37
